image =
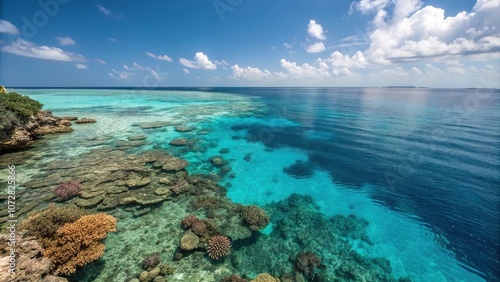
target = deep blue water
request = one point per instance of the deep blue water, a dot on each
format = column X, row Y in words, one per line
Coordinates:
column 432, row 155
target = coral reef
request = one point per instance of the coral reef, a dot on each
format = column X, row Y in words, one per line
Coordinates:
column 307, row 263
column 254, row 217
column 45, row 223
column 218, row 247
column 265, row 277
column 151, row 262
column 67, row 190
column 78, row 243
column 233, row 278
column 189, row 241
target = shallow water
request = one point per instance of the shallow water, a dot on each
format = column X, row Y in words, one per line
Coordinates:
column 421, row 165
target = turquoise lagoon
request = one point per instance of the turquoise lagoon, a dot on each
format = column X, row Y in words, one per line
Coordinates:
column 424, row 175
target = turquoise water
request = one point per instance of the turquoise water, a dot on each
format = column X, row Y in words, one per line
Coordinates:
column 422, row 172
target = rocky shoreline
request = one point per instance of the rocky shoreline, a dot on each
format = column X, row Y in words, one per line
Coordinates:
column 22, row 136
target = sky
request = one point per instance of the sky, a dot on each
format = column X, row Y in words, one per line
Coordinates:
column 338, row 43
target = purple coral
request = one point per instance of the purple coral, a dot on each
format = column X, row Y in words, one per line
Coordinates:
column 67, row 190
column 151, row 261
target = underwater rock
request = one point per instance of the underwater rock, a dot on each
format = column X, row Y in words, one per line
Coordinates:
column 165, row 180
column 217, row 161
column 143, row 276
column 300, row 169
column 134, row 143
column 136, row 137
column 162, row 191
column 189, row 241
column 264, row 277
column 141, row 212
column 224, row 151
column 87, row 194
column 184, row 128
column 178, row 142
column 153, row 124
column 87, row 203
column 137, row 183
column 70, row 118
column 86, row 120
column 174, row 164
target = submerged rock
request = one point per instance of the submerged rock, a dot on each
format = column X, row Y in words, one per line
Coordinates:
column 178, row 142
column 184, row 128
column 86, row 120
column 189, row 241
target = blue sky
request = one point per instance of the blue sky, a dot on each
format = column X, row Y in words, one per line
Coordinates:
column 250, row 43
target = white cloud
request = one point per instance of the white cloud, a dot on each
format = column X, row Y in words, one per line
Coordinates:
column 112, row 39
column 81, row 66
column 134, row 67
column 159, row 57
column 306, row 70
column 107, row 12
column 484, row 5
column 201, row 62
column 316, row 30
column 186, row 71
column 102, row 62
column 120, row 74
column 156, row 75
column 367, row 6
column 28, row 49
column 337, row 59
column 7, row 27
column 249, row 73
column 316, row 48
column 221, row 63
column 287, row 45
column 66, row 41
column 413, row 33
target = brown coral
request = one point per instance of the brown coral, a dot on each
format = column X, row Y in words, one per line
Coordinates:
column 233, row 278
column 77, row 243
column 188, row 221
column 218, row 246
column 264, row 277
column 199, row 228
column 254, row 217
column 307, row 263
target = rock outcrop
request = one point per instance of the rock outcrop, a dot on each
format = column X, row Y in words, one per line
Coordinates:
column 22, row 135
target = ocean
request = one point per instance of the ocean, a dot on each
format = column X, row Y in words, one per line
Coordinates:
column 418, row 169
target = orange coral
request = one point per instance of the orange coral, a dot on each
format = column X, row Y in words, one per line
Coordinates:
column 77, row 243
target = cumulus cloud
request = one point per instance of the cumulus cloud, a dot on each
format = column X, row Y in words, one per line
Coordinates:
column 201, row 62
column 28, row 49
column 414, row 32
column 66, row 41
column 316, row 48
column 134, row 67
column 7, row 27
column 316, row 30
column 305, row 70
column 337, row 59
column 367, row 6
column 81, row 66
column 159, row 57
column 249, row 73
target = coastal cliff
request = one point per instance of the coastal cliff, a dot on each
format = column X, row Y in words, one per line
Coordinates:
column 22, row 121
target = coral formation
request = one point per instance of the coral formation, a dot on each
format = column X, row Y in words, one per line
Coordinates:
column 67, row 190
column 265, row 277
column 45, row 223
column 254, row 217
column 233, row 278
column 307, row 263
column 199, row 228
column 218, row 247
column 78, row 243
column 189, row 241
column 151, row 262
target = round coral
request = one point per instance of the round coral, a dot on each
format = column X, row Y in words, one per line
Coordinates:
column 199, row 228
column 218, row 246
column 254, row 217
column 188, row 221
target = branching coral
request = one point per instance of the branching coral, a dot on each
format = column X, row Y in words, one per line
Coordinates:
column 254, row 217
column 44, row 224
column 77, row 243
column 67, row 190
column 218, row 246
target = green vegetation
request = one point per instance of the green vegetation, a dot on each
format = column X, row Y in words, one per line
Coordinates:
column 20, row 104
column 15, row 108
